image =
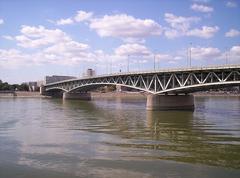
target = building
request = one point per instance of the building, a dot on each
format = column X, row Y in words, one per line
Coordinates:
column 56, row 78
column 32, row 86
column 90, row 73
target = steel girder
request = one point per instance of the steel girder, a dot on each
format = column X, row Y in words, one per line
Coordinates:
column 158, row 82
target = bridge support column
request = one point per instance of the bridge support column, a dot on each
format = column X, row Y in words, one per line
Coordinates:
column 77, row 96
column 170, row 102
column 42, row 90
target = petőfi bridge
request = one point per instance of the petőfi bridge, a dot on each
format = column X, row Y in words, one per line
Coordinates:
column 166, row 89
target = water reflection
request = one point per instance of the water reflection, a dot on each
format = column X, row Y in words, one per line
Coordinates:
column 178, row 136
column 107, row 137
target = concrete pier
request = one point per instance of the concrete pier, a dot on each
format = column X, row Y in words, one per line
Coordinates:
column 170, row 102
column 42, row 90
column 77, row 96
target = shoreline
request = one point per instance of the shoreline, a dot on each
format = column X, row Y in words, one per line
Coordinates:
column 96, row 95
column 22, row 94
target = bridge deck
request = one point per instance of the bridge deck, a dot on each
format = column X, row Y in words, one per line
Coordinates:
column 157, row 71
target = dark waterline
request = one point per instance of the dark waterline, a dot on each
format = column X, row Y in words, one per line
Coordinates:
column 117, row 138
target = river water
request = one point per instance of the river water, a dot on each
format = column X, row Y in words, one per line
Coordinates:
column 118, row 138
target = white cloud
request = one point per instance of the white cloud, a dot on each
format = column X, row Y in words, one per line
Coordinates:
column 83, row 16
column 79, row 17
column 132, row 49
column 231, row 4
column 1, row 21
column 7, row 37
column 235, row 50
column 70, row 53
column 201, row 8
column 12, row 58
column 234, row 54
column 51, row 46
column 202, row 1
column 34, row 37
column 179, row 22
column 163, row 57
column 125, row 26
column 172, row 33
column 204, row 32
column 178, row 25
column 64, row 21
column 208, row 53
column 232, row 33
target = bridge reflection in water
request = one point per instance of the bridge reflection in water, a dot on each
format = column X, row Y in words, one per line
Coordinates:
column 160, row 135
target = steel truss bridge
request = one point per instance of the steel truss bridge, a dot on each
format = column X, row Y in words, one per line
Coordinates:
column 157, row 82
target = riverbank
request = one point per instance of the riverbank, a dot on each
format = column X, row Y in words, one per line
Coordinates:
column 98, row 95
column 22, row 94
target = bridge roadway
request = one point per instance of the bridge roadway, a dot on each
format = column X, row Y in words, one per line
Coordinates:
column 166, row 89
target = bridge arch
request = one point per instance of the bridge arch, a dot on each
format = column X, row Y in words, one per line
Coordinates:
column 200, row 87
column 97, row 85
column 56, row 89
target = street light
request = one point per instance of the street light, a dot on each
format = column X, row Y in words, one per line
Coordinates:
column 111, row 65
column 154, row 62
column 190, row 55
column 128, row 63
column 226, row 57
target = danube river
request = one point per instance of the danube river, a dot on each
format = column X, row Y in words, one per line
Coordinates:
column 52, row 138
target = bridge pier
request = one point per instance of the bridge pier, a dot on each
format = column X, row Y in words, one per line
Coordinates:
column 42, row 90
column 77, row 96
column 170, row 102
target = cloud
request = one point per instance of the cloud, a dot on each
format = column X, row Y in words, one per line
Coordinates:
column 83, row 16
column 208, row 53
column 179, row 22
column 79, row 17
column 235, row 50
column 234, row 54
column 34, row 37
column 201, row 8
column 50, row 47
column 232, row 33
column 12, row 58
column 179, row 25
column 133, row 50
column 204, row 32
column 65, row 21
column 124, row 26
column 231, row 4
column 7, row 37
column 202, row 1
column 1, row 21
column 70, row 52
column 163, row 57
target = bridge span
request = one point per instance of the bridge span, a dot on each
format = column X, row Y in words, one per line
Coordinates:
column 165, row 89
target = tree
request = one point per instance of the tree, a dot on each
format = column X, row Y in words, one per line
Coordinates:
column 23, row 87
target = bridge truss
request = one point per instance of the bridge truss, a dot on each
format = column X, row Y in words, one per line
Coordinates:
column 158, row 82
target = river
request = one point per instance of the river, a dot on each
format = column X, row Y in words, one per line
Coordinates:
column 52, row 138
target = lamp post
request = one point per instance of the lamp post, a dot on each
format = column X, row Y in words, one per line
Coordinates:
column 226, row 57
column 128, row 64
column 190, row 55
column 111, row 66
column 154, row 62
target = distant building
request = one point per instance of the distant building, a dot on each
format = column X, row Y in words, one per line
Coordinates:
column 90, row 73
column 56, row 78
column 32, row 86
column 40, row 83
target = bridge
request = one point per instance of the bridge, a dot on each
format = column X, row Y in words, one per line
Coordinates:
column 167, row 89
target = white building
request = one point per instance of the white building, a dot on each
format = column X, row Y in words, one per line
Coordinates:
column 56, row 78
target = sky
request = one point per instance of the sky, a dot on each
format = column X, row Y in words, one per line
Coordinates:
column 66, row 37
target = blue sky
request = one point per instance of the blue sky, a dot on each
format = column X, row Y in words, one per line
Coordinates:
column 65, row 37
